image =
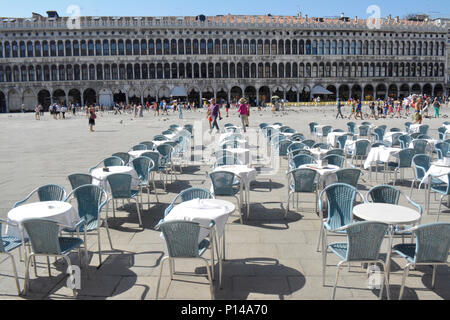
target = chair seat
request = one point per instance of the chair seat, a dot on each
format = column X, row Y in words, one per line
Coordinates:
column 329, row 228
column 440, row 188
column 340, row 249
column 134, row 193
column 406, row 250
column 10, row 243
column 93, row 225
column 68, row 244
column 235, row 192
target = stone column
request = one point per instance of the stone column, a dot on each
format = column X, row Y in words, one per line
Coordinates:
column 126, row 97
column 201, row 101
column 142, row 99
column 6, row 103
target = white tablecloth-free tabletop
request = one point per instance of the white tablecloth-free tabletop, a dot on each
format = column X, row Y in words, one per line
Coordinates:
column 202, row 212
column 327, row 176
column 136, row 154
column 438, row 170
column 100, row 176
column 332, row 138
column 382, row 154
column 58, row 211
column 386, row 213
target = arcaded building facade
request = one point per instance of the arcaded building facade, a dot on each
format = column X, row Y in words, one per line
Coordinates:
column 104, row 60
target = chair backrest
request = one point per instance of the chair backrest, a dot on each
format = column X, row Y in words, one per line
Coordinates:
column 365, row 123
column 278, row 124
column 139, row 147
column 414, row 135
column 300, row 160
column 432, row 243
column 364, row 131
column 174, row 126
column 160, row 138
column 326, row 130
column 283, row 147
column 189, row 127
column 167, row 132
column 312, row 127
column 297, row 137
column 423, row 136
column 395, row 141
column 405, row 141
column 379, row 133
column 441, row 132
column 222, row 183
column 90, row 201
column 284, row 128
column 309, row 143
column 420, row 146
column 442, row 149
column 395, row 130
column 296, row 146
column 364, row 240
column 51, row 192
column 342, row 140
column 383, row 127
column 262, row 125
column 377, row 144
column 405, row 158
column 338, row 152
column 421, row 164
column 362, row 147
column 113, row 162
column 407, row 125
column 383, row 194
column 349, row 176
column 335, row 159
column 290, row 130
column 195, row 193
column 294, row 153
column 305, row 179
column 181, row 238
column 338, row 130
column 340, row 199
column 43, row 235
column 351, row 127
column 149, row 144
column 143, row 165
column 423, row 129
column 79, row 179
column 166, row 153
column 125, row 156
column 323, row 146
column 155, row 156
column 120, row 184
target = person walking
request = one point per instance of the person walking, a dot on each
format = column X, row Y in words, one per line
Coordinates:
column 352, row 110
column 37, row 113
column 358, row 110
column 437, row 106
column 92, row 117
column 180, row 111
column 339, row 107
column 372, row 111
column 215, row 113
column 63, row 111
column 243, row 111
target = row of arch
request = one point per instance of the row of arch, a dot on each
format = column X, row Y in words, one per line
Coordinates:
column 139, row 71
column 60, row 48
column 106, row 96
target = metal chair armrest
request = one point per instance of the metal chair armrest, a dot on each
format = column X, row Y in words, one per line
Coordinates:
column 13, row 224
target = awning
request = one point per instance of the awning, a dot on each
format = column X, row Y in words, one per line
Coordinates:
column 320, row 90
column 179, row 92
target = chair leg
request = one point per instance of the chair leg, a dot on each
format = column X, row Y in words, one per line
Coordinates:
column 48, row 266
column 15, row 273
column 160, row 275
column 138, row 210
column 336, row 281
column 27, row 274
column 324, row 257
column 320, row 238
column 405, row 274
column 154, row 187
column 99, row 248
column 434, row 276
column 287, row 205
column 439, row 211
column 211, row 286
column 109, row 235
column 386, row 281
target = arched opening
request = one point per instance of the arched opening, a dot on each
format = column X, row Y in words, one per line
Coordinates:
column 404, row 91
column 291, row 95
column 393, row 91
column 44, row 99
column 344, row 92
column 381, row 91
column 304, row 95
column 2, row 102
column 207, row 94
column 416, row 89
column 134, row 97
column 119, row 97
column 14, row 101
column 29, row 100
column 368, row 92
column 235, row 94
column 356, row 92
column 194, row 96
column 427, row 90
column 89, row 97
column 149, row 96
column 250, row 95
column 75, row 96
column 222, row 96
column 59, row 96
column 264, row 95
column 333, row 96
column 163, row 94
column 438, row 90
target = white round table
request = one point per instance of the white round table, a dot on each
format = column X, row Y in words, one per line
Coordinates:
column 100, row 176
column 246, row 174
column 58, row 211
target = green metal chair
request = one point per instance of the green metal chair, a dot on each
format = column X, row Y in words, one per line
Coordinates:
column 79, row 179
column 49, row 192
column 8, row 244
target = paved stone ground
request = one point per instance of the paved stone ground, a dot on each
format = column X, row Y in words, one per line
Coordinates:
column 267, row 257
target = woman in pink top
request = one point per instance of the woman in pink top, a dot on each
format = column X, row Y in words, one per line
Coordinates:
column 243, row 112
